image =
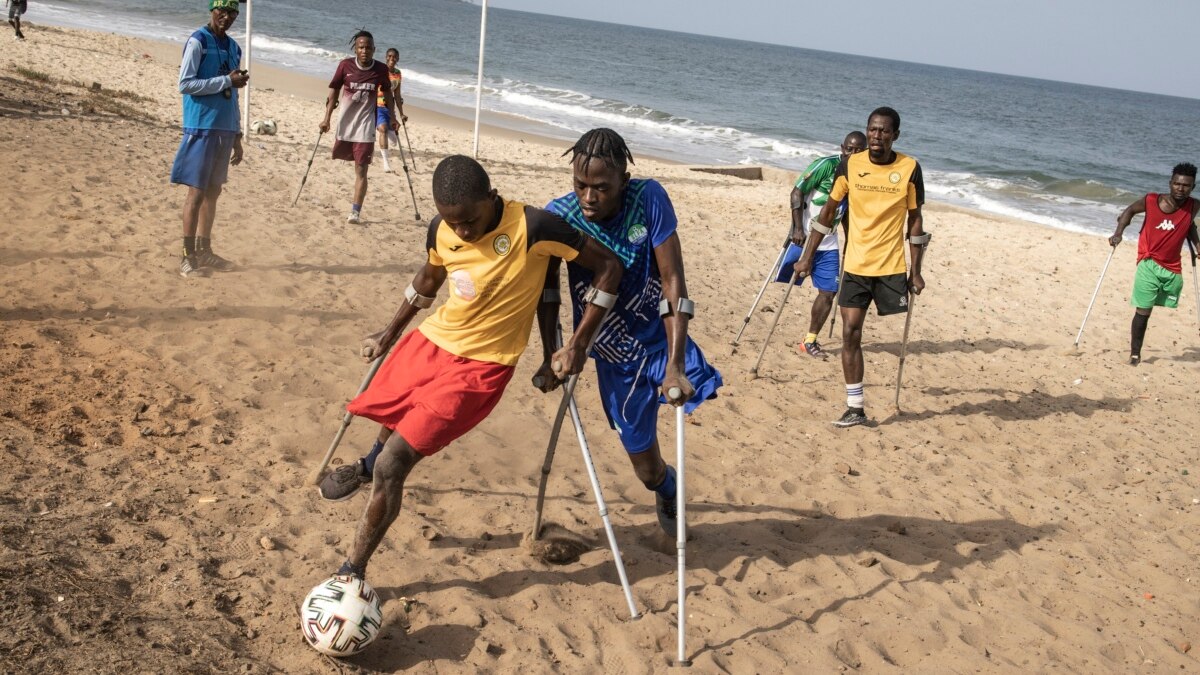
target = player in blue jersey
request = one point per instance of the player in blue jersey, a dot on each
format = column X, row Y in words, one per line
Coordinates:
column 642, row 350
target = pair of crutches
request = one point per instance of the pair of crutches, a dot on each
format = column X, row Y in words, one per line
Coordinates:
column 775, row 269
column 766, row 282
column 411, row 193
column 568, row 403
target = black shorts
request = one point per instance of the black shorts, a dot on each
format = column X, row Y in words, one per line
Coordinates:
column 890, row 293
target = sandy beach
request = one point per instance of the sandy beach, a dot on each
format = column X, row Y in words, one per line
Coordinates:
column 1031, row 510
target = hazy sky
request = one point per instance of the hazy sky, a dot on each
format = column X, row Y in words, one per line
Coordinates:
column 1147, row 45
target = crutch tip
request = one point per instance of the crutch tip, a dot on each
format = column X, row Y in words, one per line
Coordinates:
column 677, row 663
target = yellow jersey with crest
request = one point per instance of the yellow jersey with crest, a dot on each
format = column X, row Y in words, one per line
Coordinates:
column 880, row 197
column 495, row 282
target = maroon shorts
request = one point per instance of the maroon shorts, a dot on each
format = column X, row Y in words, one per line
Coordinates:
column 430, row 396
column 359, row 153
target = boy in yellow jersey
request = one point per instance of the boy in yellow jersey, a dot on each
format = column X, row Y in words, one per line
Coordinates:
column 446, row 376
column 885, row 190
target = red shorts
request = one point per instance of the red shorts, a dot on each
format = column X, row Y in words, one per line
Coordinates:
column 430, row 396
column 359, row 153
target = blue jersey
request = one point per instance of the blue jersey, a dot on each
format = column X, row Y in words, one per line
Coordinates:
column 647, row 219
column 204, row 79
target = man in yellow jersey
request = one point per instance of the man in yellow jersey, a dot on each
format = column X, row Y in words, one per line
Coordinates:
column 445, row 377
column 885, row 190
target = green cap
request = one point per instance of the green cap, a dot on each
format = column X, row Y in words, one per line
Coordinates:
column 223, row 4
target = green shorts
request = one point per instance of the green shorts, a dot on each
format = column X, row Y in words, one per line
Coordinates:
column 1153, row 285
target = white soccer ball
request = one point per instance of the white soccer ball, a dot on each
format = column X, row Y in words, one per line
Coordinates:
column 341, row 616
column 264, row 127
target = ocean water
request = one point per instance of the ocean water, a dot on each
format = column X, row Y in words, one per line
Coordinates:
column 1063, row 155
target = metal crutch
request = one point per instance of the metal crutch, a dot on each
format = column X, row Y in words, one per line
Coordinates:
column 1096, row 292
column 766, row 282
column 307, row 168
column 404, row 125
column 912, row 301
column 411, row 193
column 315, row 476
column 680, row 529
column 1195, row 283
column 775, row 322
column 602, row 506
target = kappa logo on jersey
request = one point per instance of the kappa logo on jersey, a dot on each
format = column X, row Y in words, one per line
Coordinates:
column 502, row 244
column 1166, row 225
column 636, row 233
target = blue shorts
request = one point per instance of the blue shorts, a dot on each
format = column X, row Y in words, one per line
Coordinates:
column 629, row 393
column 203, row 159
column 382, row 116
column 824, row 269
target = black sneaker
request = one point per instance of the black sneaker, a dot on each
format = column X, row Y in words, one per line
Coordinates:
column 190, row 267
column 851, row 418
column 1135, row 359
column 343, row 482
column 665, row 508
column 210, row 260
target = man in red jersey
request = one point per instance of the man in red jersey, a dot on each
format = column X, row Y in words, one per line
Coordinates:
column 1170, row 219
column 353, row 88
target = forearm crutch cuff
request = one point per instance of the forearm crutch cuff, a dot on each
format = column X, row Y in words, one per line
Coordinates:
column 600, row 298
column 551, row 295
column 685, row 307
column 920, row 239
column 818, row 227
column 416, row 299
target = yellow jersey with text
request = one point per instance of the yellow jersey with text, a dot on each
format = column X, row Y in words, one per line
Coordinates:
column 496, row 282
column 880, row 197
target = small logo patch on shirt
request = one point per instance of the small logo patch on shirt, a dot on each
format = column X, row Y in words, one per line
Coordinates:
column 502, row 244
column 636, row 233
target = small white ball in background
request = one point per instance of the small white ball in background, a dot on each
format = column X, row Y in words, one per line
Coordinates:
column 264, row 127
column 341, row 616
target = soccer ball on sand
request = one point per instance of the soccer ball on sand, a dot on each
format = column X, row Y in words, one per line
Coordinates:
column 264, row 127
column 341, row 616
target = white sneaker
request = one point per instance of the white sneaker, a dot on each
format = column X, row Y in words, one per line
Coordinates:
column 387, row 167
column 354, row 218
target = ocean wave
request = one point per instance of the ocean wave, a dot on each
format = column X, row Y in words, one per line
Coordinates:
column 269, row 43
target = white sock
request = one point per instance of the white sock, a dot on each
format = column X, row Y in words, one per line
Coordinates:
column 854, row 396
column 383, row 153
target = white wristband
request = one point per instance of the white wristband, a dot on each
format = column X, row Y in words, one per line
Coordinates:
column 416, row 299
column 600, row 298
column 920, row 239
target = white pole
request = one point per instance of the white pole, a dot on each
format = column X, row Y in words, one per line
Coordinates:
column 246, row 89
column 479, row 81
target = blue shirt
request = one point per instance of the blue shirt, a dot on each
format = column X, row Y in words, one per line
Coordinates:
column 647, row 219
column 203, row 79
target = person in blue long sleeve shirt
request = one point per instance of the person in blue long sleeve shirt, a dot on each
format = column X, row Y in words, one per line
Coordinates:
column 209, row 80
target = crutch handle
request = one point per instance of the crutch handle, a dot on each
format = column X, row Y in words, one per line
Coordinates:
column 674, row 393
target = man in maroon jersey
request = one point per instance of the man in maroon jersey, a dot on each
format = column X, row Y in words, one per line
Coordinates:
column 1170, row 219
column 353, row 88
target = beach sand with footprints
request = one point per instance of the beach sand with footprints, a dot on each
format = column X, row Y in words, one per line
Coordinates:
column 1032, row 510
